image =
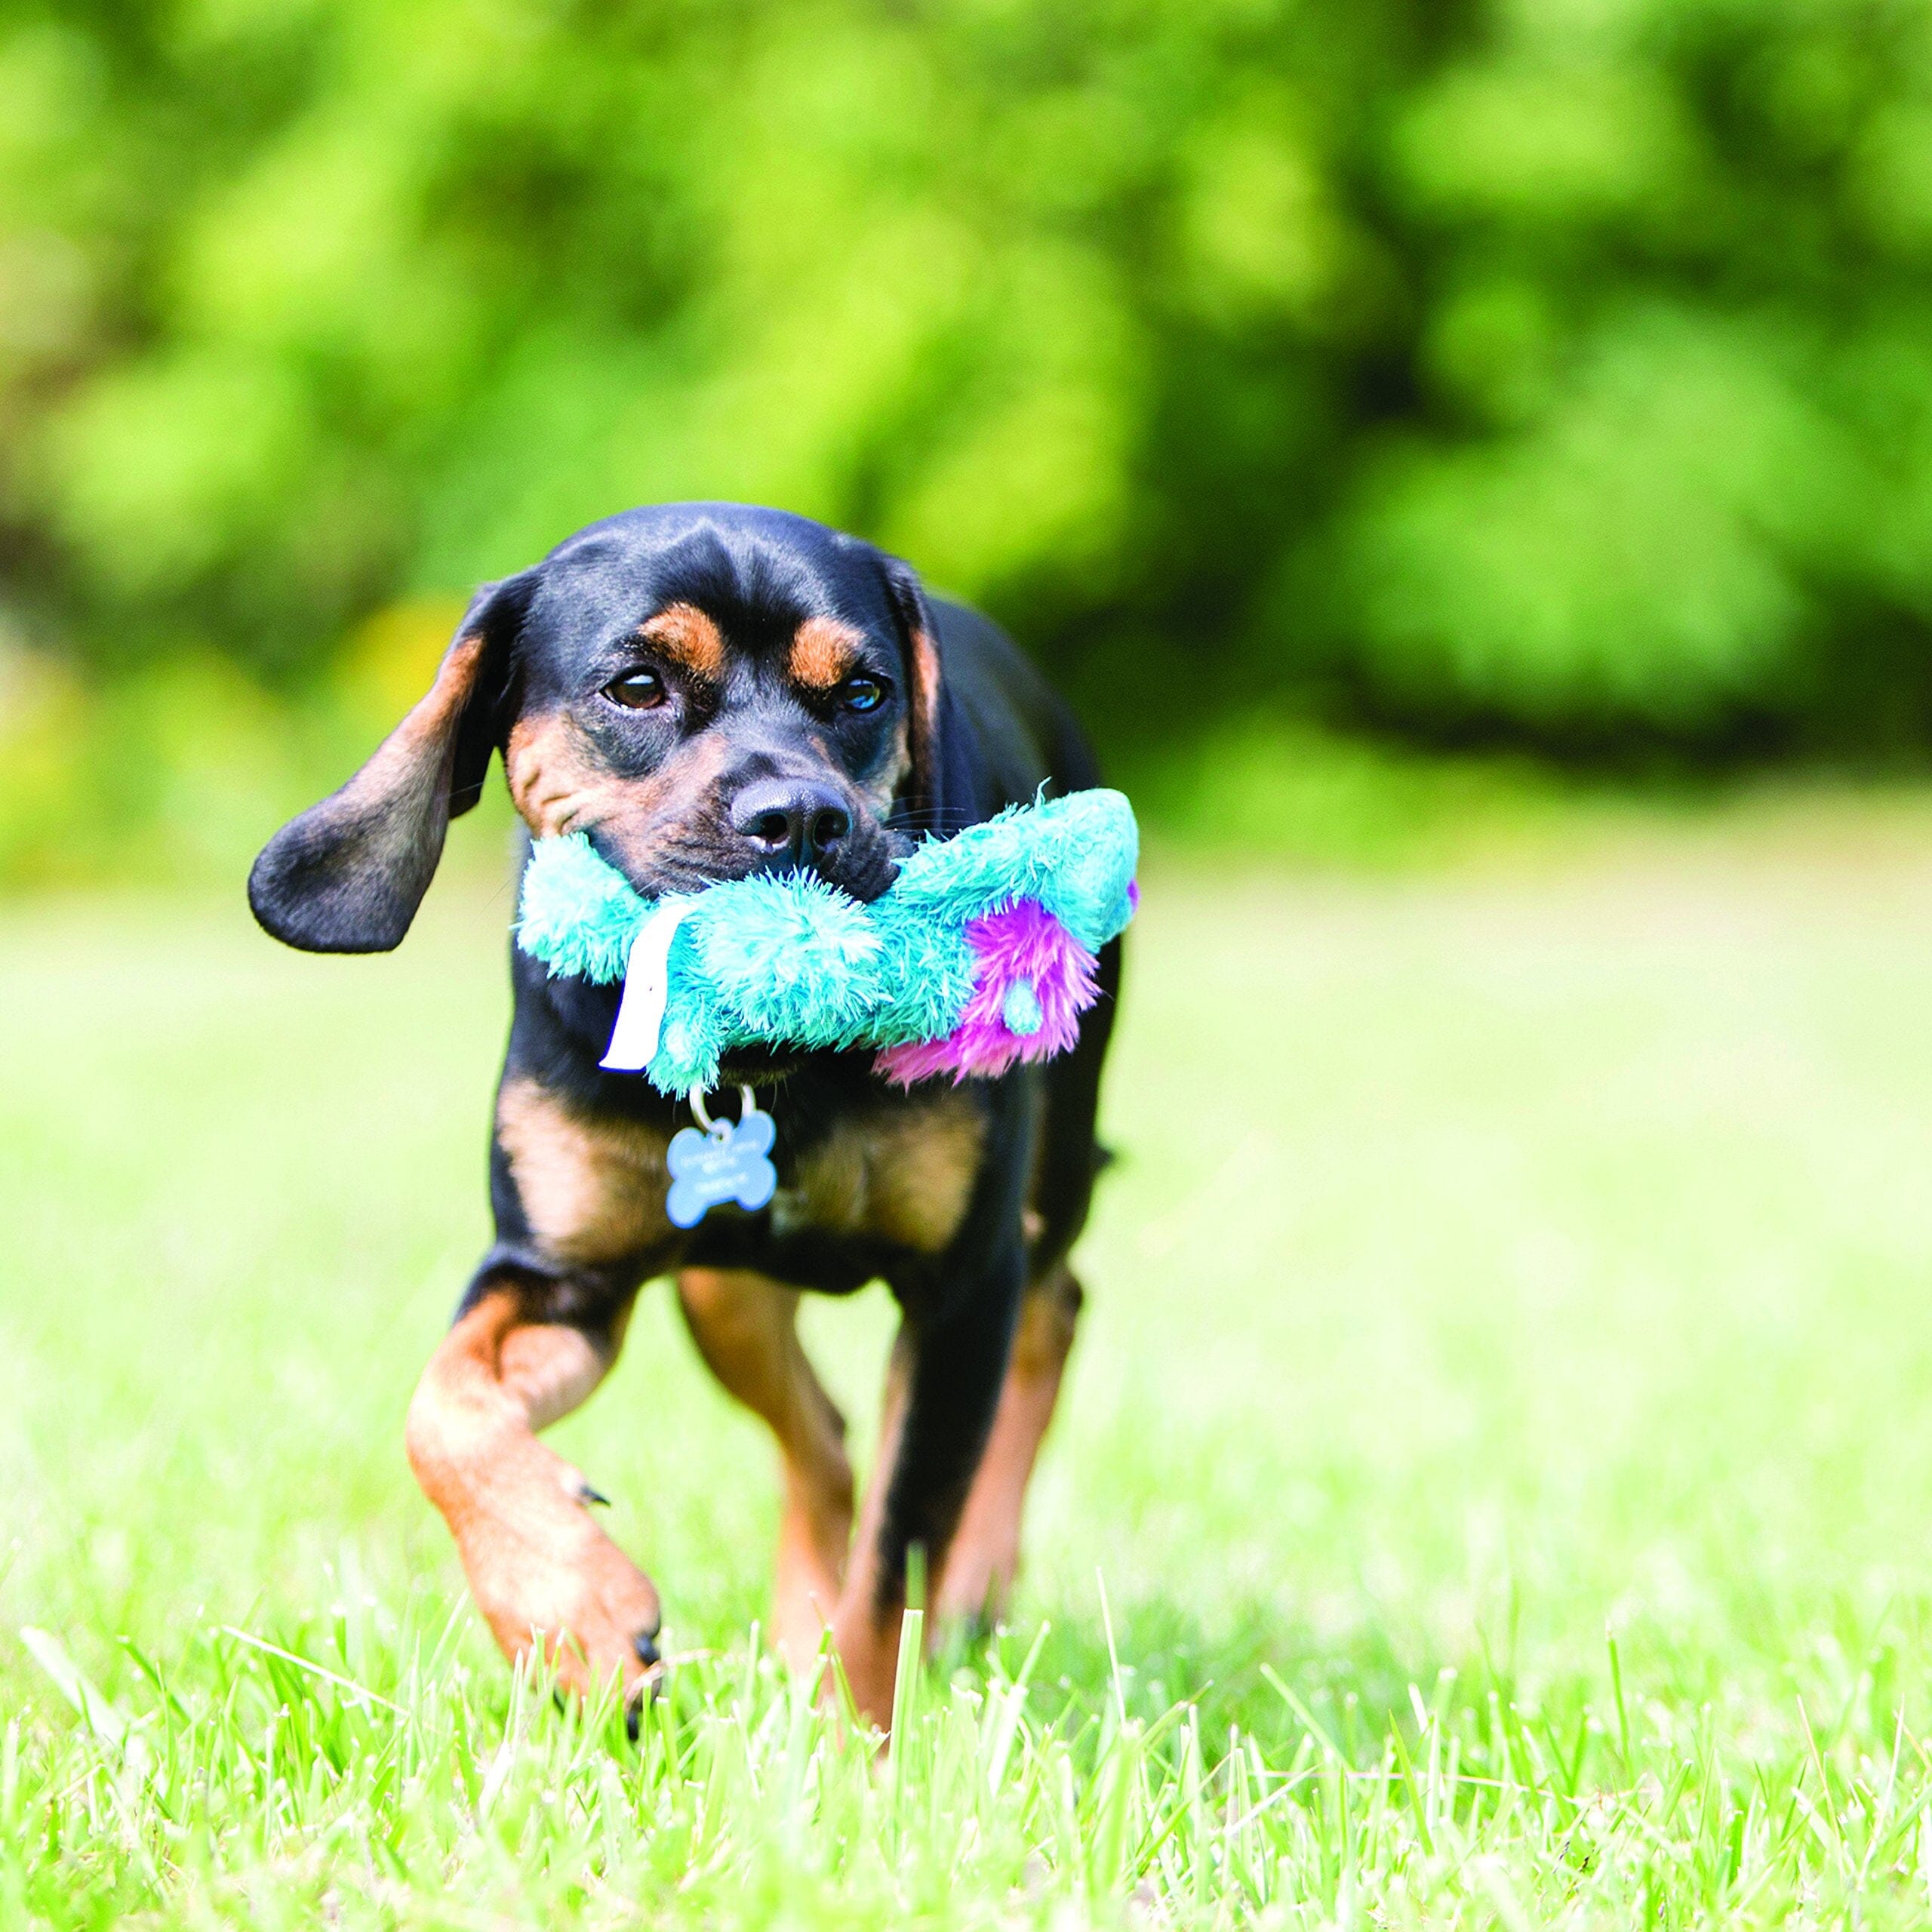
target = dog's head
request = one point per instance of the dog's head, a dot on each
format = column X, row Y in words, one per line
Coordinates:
column 705, row 691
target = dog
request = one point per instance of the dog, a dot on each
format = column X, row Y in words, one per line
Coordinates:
column 707, row 691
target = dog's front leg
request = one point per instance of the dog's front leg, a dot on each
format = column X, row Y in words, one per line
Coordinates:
column 942, row 1386
column 542, row 1573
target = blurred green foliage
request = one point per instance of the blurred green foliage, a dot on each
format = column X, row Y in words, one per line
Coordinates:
column 1559, row 370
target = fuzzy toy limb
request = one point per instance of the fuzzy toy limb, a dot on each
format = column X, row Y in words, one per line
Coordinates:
column 981, row 953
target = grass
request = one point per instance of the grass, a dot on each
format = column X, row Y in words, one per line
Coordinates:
column 1491, row 1491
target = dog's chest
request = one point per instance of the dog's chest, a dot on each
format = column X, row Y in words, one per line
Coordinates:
column 893, row 1172
column 902, row 1175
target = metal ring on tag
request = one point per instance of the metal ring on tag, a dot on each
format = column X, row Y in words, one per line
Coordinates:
column 746, row 1105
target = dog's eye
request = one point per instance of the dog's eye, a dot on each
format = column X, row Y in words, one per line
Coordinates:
column 636, row 690
column 862, row 694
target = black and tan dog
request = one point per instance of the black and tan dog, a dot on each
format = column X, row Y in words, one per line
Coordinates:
column 708, row 691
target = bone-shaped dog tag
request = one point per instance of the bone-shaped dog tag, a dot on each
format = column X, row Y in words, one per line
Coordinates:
column 729, row 1161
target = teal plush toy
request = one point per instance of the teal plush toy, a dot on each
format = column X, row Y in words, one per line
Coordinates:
column 980, row 954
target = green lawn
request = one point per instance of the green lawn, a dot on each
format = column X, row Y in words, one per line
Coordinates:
column 1500, row 1445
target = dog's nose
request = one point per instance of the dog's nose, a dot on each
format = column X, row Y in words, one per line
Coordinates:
column 791, row 821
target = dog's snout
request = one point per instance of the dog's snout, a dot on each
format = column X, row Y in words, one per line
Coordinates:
column 791, row 821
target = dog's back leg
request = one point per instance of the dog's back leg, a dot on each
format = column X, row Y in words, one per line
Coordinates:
column 985, row 1556
column 746, row 1327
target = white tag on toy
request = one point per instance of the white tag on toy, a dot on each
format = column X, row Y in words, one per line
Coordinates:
column 729, row 1161
column 647, row 986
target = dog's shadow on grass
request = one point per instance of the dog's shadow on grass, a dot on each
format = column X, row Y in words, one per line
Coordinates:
column 1239, row 1667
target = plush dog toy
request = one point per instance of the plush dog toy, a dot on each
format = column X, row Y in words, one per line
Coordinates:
column 981, row 953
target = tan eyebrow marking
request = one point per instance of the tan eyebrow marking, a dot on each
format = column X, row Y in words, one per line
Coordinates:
column 689, row 638
column 823, row 653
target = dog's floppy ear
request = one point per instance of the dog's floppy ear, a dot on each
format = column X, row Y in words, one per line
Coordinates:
column 921, row 800
column 348, row 875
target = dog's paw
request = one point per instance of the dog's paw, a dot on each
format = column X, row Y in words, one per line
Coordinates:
column 604, row 1628
column 624, row 1622
column 547, row 1578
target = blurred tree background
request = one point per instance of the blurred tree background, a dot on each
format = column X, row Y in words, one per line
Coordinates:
column 1553, row 373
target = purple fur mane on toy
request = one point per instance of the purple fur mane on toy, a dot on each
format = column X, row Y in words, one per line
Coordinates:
column 1034, row 979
